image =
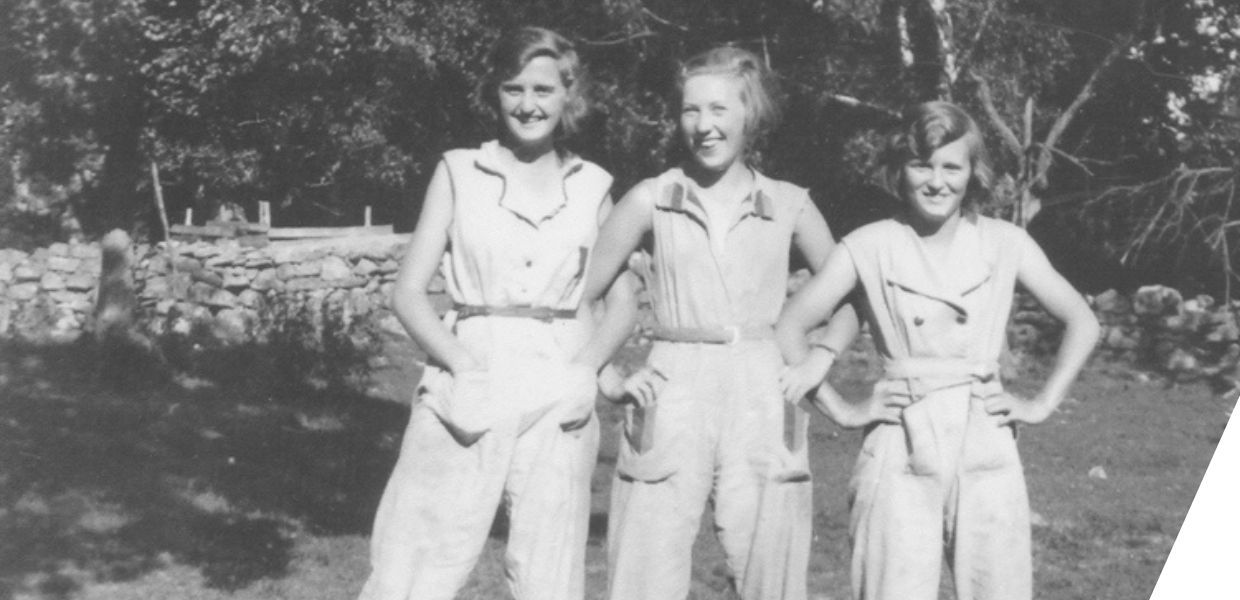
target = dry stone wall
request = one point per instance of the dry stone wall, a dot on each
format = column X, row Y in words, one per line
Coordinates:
column 225, row 294
column 217, row 292
column 48, row 294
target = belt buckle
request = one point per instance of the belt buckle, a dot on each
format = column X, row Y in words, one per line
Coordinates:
column 734, row 334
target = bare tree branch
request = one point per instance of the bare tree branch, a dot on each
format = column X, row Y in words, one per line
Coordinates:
column 852, row 102
column 622, row 40
column 1072, row 159
column 963, row 60
column 1085, row 95
column 661, row 20
column 1010, row 141
column 1118, row 49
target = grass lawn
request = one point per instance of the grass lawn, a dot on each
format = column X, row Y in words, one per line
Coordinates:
column 250, row 486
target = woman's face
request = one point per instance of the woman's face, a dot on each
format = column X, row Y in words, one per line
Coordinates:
column 935, row 187
column 712, row 120
column 532, row 103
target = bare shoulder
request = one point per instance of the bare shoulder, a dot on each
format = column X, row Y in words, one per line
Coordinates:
column 873, row 233
column 643, row 194
column 1002, row 230
column 596, row 173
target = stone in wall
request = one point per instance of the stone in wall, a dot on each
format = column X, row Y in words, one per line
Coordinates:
column 1224, row 327
column 23, row 291
column 250, row 299
column 236, row 278
column 186, row 264
column 52, row 281
column 222, row 299
column 305, row 284
column 387, row 267
column 287, row 271
column 1157, row 300
column 233, row 326
column 267, row 279
column 334, row 268
column 365, row 267
column 79, row 282
column 155, row 288
column 208, row 277
column 63, row 264
column 26, row 272
column 85, row 252
column 199, row 292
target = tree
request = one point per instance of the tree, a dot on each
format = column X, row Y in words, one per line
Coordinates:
column 322, row 106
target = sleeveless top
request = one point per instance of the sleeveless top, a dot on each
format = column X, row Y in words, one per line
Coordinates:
column 955, row 309
column 698, row 280
column 500, row 254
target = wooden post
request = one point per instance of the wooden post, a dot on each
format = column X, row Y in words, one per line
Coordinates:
column 366, row 217
column 159, row 199
column 189, row 216
column 264, row 213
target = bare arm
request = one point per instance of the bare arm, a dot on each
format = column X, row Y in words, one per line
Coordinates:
column 1081, row 331
column 620, row 235
column 615, row 316
column 813, row 238
column 813, row 303
column 410, row 301
column 803, row 312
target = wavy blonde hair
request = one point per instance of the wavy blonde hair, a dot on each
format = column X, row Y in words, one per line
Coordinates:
column 759, row 89
column 514, row 50
column 927, row 127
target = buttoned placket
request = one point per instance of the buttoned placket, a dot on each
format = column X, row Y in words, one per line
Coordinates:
column 755, row 204
column 488, row 163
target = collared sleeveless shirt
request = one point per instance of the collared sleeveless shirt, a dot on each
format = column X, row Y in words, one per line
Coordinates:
column 699, row 280
column 920, row 308
column 502, row 254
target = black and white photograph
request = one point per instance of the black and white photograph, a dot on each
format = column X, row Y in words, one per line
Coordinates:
column 619, row 299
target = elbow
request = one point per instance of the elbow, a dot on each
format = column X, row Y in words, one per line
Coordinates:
column 786, row 331
column 1095, row 330
column 1087, row 328
column 405, row 300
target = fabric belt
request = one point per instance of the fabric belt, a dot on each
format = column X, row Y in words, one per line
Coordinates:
column 541, row 313
column 724, row 334
column 924, row 376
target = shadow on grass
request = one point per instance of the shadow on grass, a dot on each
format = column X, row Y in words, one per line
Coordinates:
column 108, row 478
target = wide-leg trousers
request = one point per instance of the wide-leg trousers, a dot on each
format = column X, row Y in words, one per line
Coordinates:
column 946, row 481
column 437, row 509
column 719, row 437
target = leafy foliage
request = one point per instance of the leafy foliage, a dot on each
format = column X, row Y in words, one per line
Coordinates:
column 323, row 106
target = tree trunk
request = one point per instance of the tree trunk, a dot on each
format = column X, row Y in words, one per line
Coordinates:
column 945, row 58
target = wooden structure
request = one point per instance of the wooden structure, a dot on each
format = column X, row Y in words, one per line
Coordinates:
column 261, row 233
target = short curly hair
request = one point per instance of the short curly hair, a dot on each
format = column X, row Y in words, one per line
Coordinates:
column 927, row 127
column 514, row 50
column 759, row 88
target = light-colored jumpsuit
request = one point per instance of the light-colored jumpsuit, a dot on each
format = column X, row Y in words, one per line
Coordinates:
column 948, row 479
column 437, row 509
column 719, row 431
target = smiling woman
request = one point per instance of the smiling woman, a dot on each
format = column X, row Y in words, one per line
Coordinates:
column 717, row 271
column 936, row 185
column 532, row 104
column 505, row 410
column 939, row 469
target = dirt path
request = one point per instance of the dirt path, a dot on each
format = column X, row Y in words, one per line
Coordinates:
column 238, row 492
